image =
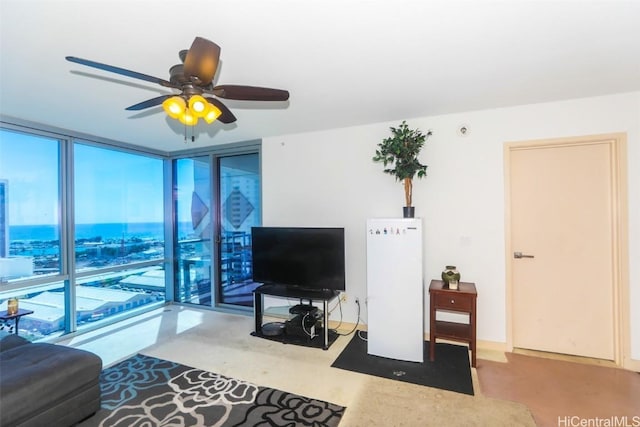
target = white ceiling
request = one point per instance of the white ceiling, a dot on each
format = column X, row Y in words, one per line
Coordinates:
column 344, row 62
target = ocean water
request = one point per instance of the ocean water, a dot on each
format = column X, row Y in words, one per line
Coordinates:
column 107, row 231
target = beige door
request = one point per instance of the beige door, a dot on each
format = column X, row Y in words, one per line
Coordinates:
column 562, row 203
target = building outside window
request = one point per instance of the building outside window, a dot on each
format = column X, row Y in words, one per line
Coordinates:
column 118, row 230
column 29, row 206
column 106, row 263
column 83, row 226
column 30, row 239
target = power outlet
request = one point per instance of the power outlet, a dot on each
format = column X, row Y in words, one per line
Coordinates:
column 343, row 297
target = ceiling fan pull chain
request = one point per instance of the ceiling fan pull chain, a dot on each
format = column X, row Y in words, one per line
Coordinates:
column 185, row 133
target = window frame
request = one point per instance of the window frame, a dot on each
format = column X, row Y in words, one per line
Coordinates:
column 67, row 274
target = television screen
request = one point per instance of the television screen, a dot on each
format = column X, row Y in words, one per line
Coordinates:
column 309, row 258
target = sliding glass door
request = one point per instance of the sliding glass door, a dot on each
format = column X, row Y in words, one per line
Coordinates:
column 193, row 229
column 239, row 189
column 216, row 202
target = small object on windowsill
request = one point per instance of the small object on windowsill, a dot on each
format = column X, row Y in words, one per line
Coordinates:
column 12, row 306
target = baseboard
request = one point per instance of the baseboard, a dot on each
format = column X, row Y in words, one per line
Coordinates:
column 344, row 327
column 632, row 365
column 481, row 344
column 487, row 350
column 491, row 350
column 491, row 345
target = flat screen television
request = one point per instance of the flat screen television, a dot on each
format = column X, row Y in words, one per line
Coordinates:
column 310, row 258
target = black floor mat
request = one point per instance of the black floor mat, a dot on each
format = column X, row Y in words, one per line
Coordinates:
column 450, row 370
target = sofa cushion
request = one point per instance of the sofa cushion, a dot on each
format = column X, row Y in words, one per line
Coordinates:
column 10, row 341
column 38, row 376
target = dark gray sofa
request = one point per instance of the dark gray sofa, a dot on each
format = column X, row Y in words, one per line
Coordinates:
column 46, row 384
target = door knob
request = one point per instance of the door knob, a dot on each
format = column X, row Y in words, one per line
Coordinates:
column 521, row 255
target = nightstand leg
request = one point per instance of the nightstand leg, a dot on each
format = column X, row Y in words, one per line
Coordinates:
column 432, row 327
column 432, row 348
column 472, row 346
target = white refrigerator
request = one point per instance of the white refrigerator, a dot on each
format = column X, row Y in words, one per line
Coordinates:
column 395, row 291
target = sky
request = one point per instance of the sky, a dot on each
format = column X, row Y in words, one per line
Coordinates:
column 110, row 186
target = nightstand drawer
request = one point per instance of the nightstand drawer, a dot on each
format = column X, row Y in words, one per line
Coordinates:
column 454, row 302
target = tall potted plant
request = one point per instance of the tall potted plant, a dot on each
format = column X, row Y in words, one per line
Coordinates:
column 399, row 155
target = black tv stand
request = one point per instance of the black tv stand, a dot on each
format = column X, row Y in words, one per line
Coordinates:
column 325, row 295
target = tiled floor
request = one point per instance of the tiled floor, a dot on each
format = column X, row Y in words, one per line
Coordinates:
column 563, row 393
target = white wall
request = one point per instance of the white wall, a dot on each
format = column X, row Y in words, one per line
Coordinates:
column 328, row 179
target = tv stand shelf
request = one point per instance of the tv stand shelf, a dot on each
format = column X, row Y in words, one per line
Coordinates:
column 324, row 340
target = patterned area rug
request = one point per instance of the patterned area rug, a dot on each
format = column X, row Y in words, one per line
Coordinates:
column 145, row 391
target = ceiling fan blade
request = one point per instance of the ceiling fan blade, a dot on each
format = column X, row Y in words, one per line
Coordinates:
column 121, row 71
column 250, row 93
column 202, row 61
column 226, row 116
column 148, row 103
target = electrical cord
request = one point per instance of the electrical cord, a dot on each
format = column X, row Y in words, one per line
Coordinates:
column 335, row 330
column 304, row 318
column 357, row 322
column 339, row 305
column 303, row 328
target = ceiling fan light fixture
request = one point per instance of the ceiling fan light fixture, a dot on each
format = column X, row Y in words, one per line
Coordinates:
column 188, row 118
column 174, row 106
column 212, row 113
column 194, row 79
column 198, row 105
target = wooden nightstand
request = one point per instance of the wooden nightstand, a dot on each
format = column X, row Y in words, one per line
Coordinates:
column 461, row 300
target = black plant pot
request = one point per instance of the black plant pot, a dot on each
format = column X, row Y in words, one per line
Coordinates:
column 408, row 211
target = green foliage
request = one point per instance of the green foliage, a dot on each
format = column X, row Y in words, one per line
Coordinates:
column 400, row 152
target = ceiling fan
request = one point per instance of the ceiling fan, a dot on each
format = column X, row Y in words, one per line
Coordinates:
column 193, row 78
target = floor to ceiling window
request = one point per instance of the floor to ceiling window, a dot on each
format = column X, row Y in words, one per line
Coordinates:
column 83, row 227
column 119, row 232
column 31, row 255
column 77, row 251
